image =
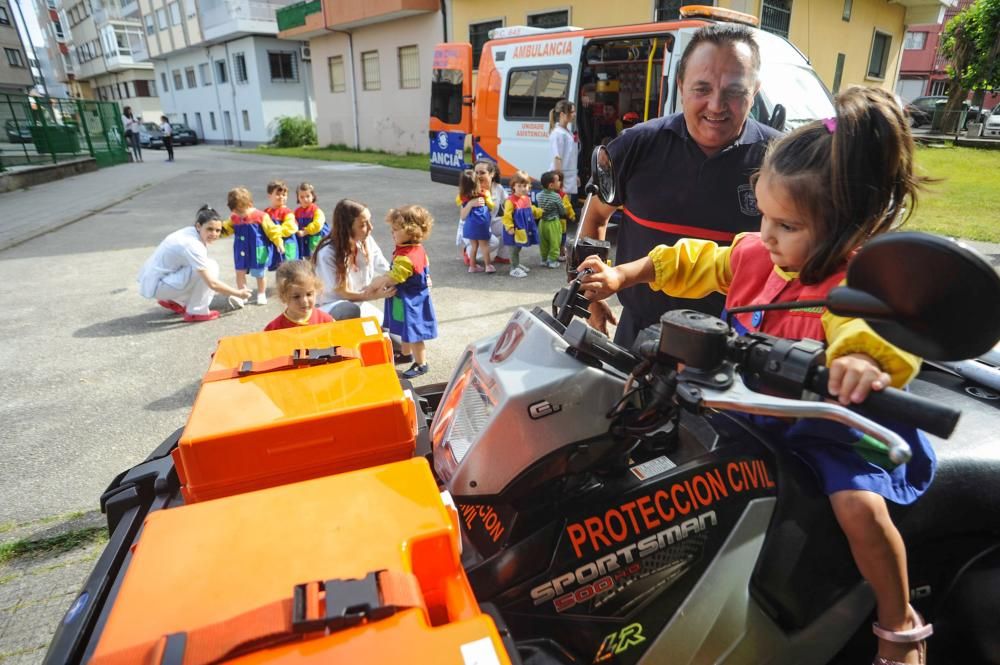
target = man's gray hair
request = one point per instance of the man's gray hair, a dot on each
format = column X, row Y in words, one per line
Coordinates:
column 722, row 34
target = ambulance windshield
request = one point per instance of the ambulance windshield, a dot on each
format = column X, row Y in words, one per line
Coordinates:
column 787, row 79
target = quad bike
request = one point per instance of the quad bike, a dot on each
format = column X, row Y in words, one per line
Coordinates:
column 618, row 505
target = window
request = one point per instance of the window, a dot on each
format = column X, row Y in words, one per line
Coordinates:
column 939, row 87
column 775, row 15
column 283, row 66
column 848, row 6
column 446, row 95
column 879, row 55
column 336, row 66
column 175, row 13
column 409, row 67
column 189, row 75
column 669, row 10
column 211, row 120
column 370, row 79
column 190, row 9
column 161, row 18
column 479, row 33
column 197, row 122
column 14, row 57
column 150, row 26
column 915, row 41
column 163, row 80
column 240, row 68
column 144, row 89
column 221, row 73
column 178, row 85
column 532, row 93
column 838, row 73
column 57, row 29
column 4, row 16
column 556, row 19
column 246, row 120
column 206, row 74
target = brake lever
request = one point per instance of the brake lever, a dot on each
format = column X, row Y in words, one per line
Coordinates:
column 740, row 398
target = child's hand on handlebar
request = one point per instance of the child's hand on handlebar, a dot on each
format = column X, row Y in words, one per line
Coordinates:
column 603, row 280
column 853, row 376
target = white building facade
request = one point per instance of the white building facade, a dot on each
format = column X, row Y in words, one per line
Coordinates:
column 221, row 70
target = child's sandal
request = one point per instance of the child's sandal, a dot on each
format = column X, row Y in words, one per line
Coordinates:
column 916, row 636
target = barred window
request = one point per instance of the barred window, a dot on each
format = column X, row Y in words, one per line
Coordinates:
column 163, row 80
column 478, row 36
column 370, row 79
column 336, row 66
column 192, row 82
column 178, row 83
column 409, row 67
column 246, row 120
column 283, row 66
column 206, row 73
column 240, row 68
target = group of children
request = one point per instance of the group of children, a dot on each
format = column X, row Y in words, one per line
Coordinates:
column 525, row 223
column 285, row 241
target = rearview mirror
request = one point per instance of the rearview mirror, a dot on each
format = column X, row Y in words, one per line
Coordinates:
column 602, row 183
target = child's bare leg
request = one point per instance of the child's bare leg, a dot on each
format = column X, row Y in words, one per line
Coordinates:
column 880, row 555
column 419, row 352
column 405, row 348
column 241, row 279
column 261, row 284
column 485, row 244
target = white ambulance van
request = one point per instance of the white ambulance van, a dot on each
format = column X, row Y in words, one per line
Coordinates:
column 615, row 76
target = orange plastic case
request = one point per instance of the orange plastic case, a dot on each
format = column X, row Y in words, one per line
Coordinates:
column 281, row 423
column 198, row 565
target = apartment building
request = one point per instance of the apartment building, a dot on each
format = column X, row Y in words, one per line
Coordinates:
column 15, row 70
column 95, row 47
column 221, row 69
column 848, row 42
column 371, row 63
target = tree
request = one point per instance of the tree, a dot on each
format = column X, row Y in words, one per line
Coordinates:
column 971, row 41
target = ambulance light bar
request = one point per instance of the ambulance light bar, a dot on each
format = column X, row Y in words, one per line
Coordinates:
column 719, row 13
column 522, row 30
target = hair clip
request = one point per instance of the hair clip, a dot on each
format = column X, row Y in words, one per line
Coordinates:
column 830, row 124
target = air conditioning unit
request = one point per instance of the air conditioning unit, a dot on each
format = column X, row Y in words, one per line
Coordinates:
column 304, row 53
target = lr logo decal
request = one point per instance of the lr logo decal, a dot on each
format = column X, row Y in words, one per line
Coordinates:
column 619, row 641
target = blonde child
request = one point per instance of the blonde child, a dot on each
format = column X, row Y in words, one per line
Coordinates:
column 823, row 191
column 409, row 313
column 310, row 221
column 298, row 287
column 282, row 215
column 519, row 228
column 550, row 226
column 476, row 213
column 255, row 239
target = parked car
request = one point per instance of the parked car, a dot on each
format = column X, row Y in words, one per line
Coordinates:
column 18, row 131
column 921, row 110
column 149, row 136
column 992, row 126
column 183, row 135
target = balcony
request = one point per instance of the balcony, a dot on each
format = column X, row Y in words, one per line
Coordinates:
column 924, row 11
column 303, row 20
column 224, row 19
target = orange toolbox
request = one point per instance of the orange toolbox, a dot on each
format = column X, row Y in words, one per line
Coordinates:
column 288, row 405
column 361, row 567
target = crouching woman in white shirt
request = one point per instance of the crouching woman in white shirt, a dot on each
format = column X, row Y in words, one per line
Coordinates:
column 181, row 276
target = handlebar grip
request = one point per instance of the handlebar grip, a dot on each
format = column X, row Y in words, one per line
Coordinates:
column 898, row 405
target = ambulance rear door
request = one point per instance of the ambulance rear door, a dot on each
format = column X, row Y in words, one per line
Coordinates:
column 534, row 74
column 451, row 110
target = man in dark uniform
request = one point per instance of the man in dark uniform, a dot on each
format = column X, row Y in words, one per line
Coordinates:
column 688, row 174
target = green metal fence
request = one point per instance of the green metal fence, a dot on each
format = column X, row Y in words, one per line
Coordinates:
column 49, row 130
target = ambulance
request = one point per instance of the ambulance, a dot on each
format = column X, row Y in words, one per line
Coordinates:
column 615, row 75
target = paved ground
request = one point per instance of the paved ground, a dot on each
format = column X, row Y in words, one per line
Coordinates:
column 94, row 376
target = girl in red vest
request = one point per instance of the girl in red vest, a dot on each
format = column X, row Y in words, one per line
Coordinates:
column 822, row 191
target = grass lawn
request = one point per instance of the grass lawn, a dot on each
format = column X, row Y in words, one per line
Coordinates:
column 340, row 153
column 966, row 203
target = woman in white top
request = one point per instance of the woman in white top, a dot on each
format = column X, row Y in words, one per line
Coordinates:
column 181, row 276
column 347, row 260
column 563, row 146
column 132, row 125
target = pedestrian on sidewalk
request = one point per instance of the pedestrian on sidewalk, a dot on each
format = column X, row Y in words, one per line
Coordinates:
column 181, row 276
column 167, row 131
column 132, row 125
